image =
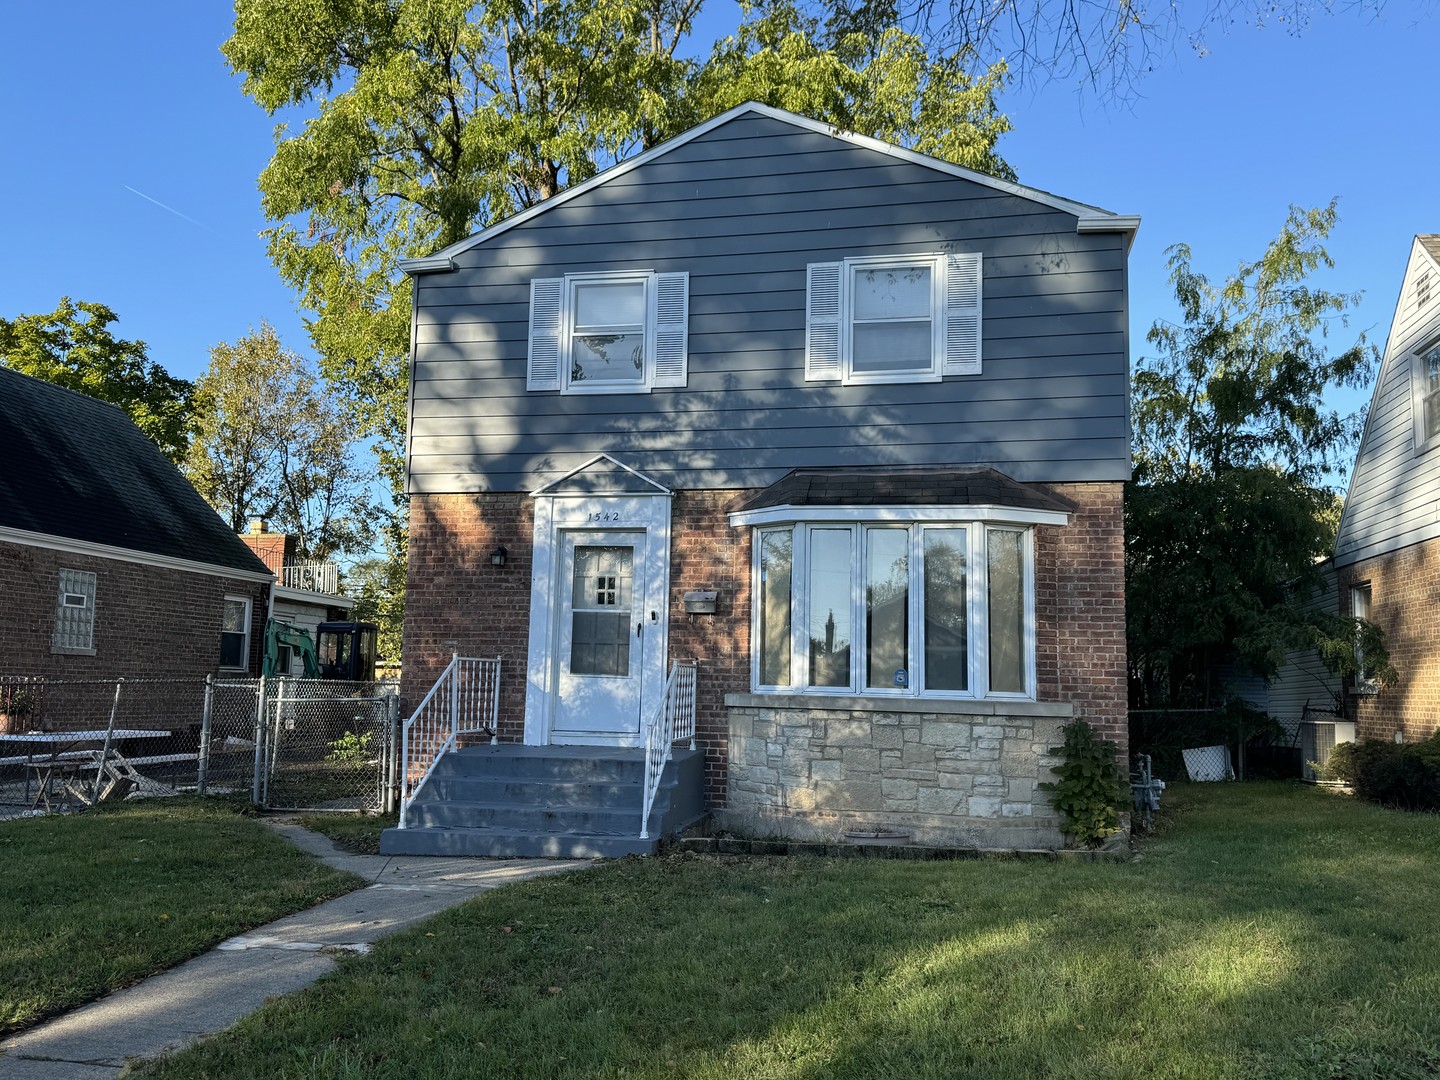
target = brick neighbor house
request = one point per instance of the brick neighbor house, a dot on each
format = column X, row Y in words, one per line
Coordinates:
column 111, row 564
column 844, row 423
column 1387, row 552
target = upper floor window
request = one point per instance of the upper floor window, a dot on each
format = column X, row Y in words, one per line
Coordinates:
column 1427, row 397
column 75, row 613
column 235, row 633
column 608, row 333
column 893, row 318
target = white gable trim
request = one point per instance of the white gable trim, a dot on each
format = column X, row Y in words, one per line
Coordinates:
column 141, row 558
column 544, row 489
column 1090, row 218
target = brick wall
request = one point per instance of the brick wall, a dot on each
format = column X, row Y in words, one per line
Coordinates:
column 457, row 601
column 1080, row 609
column 149, row 621
column 1405, row 603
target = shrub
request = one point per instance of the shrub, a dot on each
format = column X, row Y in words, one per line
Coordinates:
column 1394, row 774
column 1092, row 789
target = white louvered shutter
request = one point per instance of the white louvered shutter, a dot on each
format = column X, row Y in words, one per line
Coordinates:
column 672, row 318
column 962, row 315
column 822, row 321
column 543, row 372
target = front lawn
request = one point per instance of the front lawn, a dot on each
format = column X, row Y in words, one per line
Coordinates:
column 1272, row 930
column 95, row 901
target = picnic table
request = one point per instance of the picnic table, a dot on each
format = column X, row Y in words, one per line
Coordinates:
column 88, row 775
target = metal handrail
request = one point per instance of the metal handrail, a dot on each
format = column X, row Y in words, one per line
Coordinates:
column 465, row 700
column 672, row 721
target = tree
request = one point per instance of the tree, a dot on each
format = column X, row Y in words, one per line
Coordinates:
column 1104, row 45
column 1235, row 449
column 270, row 443
column 74, row 347
column 434, row 119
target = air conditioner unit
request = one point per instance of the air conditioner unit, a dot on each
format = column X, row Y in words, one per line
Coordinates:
column 1317, row 739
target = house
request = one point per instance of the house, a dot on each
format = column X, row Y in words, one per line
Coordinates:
column 845, row 424
column 111, row 564
column 306, row 593
column 1387, row 552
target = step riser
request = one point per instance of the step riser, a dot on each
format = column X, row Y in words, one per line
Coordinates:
column 600, row 771
column 449, row 815
column 478, row 844
column 535, row 792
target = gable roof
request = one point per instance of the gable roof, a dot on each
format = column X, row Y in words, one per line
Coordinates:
column 77, row 469
column 1089, row 218
column 1392, row 493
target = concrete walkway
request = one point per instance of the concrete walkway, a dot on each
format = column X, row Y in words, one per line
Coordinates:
column 212, row 991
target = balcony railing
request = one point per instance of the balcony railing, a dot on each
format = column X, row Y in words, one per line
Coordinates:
column 323, row 577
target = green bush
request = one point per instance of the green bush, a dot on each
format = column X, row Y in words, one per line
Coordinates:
column 1092, row 789
column 1406, row 775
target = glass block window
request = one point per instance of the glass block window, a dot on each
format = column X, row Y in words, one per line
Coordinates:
column 75, row 612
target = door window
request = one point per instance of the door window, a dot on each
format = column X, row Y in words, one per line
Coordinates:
column 601, row 602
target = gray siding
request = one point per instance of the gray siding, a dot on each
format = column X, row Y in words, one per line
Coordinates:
column 1302, row 679
column 1394, row 498
column 744, row 209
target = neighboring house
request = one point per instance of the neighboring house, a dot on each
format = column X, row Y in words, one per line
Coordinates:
column 1304, row 688
column 111, row 564
column 1387, row 553
column 306, row 594
column 874, row 402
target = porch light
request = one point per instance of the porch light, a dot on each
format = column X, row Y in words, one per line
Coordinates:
column 497, row 557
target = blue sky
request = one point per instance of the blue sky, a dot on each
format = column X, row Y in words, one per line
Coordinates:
column 131, row 160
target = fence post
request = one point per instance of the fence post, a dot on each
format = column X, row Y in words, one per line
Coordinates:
column 202, row 765
column 259, row 741
column 392, row 745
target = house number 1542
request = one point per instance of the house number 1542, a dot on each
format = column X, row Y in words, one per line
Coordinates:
column 605, row 515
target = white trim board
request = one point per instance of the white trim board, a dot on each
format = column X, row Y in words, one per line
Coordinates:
column 1090, row 218
column 142, row 558
column 999, row 515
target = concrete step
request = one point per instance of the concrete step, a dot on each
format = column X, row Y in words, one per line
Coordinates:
column 511, row 801
column 609, row 820
column 504, row 844
column 590, row 764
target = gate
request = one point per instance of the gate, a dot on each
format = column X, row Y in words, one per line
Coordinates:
column 326, row 745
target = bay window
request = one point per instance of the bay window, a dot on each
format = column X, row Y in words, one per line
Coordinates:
column 920, row 609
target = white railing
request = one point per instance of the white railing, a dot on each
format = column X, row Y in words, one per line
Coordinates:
column 465, row 700
column 672, row 721
column 321, row 577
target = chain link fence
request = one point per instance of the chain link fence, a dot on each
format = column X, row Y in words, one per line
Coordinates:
column 1235, row 739
column 286, row 743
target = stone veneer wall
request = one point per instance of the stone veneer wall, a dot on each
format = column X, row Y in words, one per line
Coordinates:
column 1405, row 603
column 950, row 773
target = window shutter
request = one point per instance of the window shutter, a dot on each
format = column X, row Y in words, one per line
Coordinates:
column 962, row 315
column 822, row 321
column 544, row 368
column 672, row 317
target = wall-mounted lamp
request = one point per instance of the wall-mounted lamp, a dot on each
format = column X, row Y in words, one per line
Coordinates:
column 497, row 557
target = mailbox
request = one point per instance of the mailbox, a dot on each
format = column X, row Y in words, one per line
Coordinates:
column 700, row 602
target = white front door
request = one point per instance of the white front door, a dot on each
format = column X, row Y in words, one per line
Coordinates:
column 603, row 623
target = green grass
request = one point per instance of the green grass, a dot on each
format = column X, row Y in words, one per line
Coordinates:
column 359, row 833
column 93, row 902
column 1270, row 931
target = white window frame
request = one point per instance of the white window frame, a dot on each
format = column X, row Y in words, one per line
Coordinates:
column 1362, row 600
column 977, row 608
column 830, row 341
column 1423, row 394
column 666, row 317
column 244, row 664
